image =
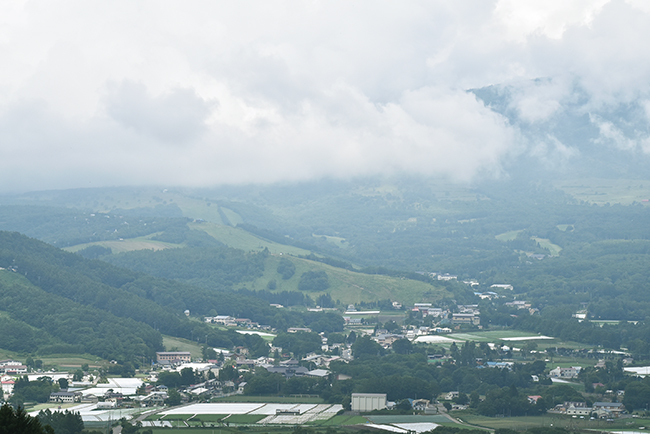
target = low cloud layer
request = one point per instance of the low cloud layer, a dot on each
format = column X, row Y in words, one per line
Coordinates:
column 203, row 93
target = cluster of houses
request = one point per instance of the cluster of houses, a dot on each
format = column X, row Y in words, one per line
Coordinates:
column 601, row 410
column 230, row 321
column 12, row 367
column 9, row 370
column 467, row 314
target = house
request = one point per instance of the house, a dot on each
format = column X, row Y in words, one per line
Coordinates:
column 608, row 409
column 519, row 304
column 577, row 409
column 288, row 371
column 465, row 318
column 7, row 387
column 322, row 373
column 447, row 277
column 499, row 365
column 154, row 399
column 298, row 329
column 64, row 397
column 571, row 372
column 387, row 339
column 533, row 398
column 173, row 357
column 12, row 367
column 420, row 404
column 489, row 295
column 502, row 286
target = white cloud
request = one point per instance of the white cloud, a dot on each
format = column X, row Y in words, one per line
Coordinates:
column 211, row 92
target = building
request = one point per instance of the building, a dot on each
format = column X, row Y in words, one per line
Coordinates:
column 63, row 397
column 447, row 277
column 577, row 409
column 465, row 318
column 173, row 357
column 608, row 409
column 565, row 372
column 298, row 329
column 363, row 402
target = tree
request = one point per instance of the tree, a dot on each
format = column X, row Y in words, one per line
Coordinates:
column 325, row 300
column 188, row 376
column 474, row 399
column 63, row 383
column 228, row 373
column 286, row 268
column 313, row 281
column 365, row 346
column 169, row 379
column 78, row 375
column 208, row 353
column 404, row 405
column 637, row 395
column 66, row 422
column 299, row 344
column 173, row 398
column 127, row 428
column 19, row 422
column 402, row 346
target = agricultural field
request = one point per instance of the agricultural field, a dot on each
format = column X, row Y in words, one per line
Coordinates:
column 348, row 286
column 244, row 413
column 244, row 419
column 495, row 335
column 343, row 419
column 602, row 191
column 271, row 399
column 240, row 239
column 544, row 243
column 508, row 236
column 548, row 420
column 180, row 344
column 335, row 241
column 127, row 245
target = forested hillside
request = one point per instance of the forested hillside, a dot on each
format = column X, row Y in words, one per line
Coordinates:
column 54, row 301
column 560, row 252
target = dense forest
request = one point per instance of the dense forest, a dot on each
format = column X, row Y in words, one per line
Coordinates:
column 54, row 301
column 559, row 253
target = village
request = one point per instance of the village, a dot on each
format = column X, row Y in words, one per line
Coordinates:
column 179, row 378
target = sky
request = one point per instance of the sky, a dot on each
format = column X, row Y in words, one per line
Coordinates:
column 202, row 93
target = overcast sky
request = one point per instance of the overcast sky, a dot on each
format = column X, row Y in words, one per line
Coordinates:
column 209, row 92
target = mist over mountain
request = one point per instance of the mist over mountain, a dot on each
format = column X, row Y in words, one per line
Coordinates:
column 568, row 134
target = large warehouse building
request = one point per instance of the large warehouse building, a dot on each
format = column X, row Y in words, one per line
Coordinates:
column 368, row 401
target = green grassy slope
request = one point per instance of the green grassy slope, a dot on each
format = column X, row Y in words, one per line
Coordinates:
column 348, row 286
column 126, row 245
column 240, row 239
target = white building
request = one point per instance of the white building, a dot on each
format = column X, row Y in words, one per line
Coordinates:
column 368, row 401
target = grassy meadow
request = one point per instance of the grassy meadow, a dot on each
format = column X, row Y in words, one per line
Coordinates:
column 348, row 286
column 127, row 245
column 179, row 344
column 602, row 191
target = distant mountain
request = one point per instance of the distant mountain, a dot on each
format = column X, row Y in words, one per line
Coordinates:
column 568, row 134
